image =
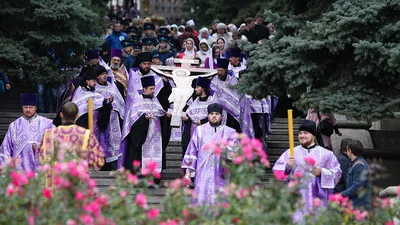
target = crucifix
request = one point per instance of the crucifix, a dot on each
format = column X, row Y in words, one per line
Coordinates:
column 183, row 90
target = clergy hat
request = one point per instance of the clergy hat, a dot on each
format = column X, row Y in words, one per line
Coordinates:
column 163, row 31
column 131, row 29
column 309, row 126
column 214, row 107
column 147, row 41
column 126, row 43
column 222, row 63
column 148, row 81
column 135, row 38
column 163, row 38
column 144, row 57
column 29, row 99
column 99, row 70
column 235, row 52
column 116, row 53
column 203, row 82
column 91, row 74
column 148, row 26
column 92, row 54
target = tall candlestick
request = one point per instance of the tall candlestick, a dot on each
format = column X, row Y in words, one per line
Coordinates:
column 90, row 114
column 290, row 126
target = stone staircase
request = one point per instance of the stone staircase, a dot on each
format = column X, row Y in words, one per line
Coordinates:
column 10, row 109
column 277, row 144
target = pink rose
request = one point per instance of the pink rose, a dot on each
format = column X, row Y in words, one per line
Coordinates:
column 310, row 160
column 298, row 174
column 133, row 179
column 280, row 175
column 141, row 199
column 71, row 222
column 47, row 193
column 151, row 165
column 152, row 214
column 389, row 223
column 31, row 220
column 92, row 207
column 175, row 184
column 79, row 196
column 123, row 193
column 102, row 200
column 136, row 163
column 86, row 219
column 10, row 190
column 185, row 213
column 238, row 160
column 317, row 202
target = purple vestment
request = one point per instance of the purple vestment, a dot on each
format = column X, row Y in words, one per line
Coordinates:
column 315, row 187
column 248, row 106
column 22, row 134
column 152, row 148
column 197, row 111
column 226, row 95
column 205, row 164
column 110, row 139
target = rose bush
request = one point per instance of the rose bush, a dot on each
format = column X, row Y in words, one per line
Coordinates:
column 62, row 192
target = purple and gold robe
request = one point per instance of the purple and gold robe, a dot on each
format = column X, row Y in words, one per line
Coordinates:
column 204, row 164
column 77, row 139
column 152, row 147
column 20, row 139
column 110, row 139
column 316, row 187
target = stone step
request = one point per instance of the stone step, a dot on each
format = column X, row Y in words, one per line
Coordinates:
column 283, row 126
column 280, row 144
column 285, row 120
column 174, row 149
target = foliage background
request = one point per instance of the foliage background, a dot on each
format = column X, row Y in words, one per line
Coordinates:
column 38, row 38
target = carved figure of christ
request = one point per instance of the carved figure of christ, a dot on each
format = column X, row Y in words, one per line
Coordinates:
column 183, row 90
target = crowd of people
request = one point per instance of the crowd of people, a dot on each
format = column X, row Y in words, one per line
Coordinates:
column 131, row 105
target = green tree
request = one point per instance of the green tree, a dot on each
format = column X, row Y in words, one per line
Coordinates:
column 345, row 60
column 39, row 37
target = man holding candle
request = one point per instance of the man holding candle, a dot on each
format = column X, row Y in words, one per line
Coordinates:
column 319, row 166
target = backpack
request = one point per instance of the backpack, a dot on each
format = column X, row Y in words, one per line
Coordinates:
column 325, row 126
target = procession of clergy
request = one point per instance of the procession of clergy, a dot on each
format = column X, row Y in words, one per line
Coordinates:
column 132, row 112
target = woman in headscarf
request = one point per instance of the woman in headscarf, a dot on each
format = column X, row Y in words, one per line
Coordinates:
column 222, row 32
column 203, row 34
column 223, row 46
column 211, row 60
column 204, row 51
column 190, row 51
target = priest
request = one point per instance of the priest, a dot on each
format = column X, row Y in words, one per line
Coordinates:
column 196, row 111
column 317, row 164
column 101, row 107
column 24, row 135
column 141, row 132
column 77, row 138
column 110, row 136
column 222, row 85
column 204, row 164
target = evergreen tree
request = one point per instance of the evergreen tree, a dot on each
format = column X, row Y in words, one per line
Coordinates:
column 39, row 39
column 345, row 60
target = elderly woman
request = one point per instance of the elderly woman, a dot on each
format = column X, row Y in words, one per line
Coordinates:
column 204, row 34
column 222, row 32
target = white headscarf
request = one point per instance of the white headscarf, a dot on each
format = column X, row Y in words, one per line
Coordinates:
column 190, row 53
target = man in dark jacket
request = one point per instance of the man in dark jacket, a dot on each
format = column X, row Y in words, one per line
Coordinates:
column 344, row 165
column 358, row 186
column 4, row 81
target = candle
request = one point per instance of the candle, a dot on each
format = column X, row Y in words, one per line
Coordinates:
column 90, row 114
column 290, row 126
